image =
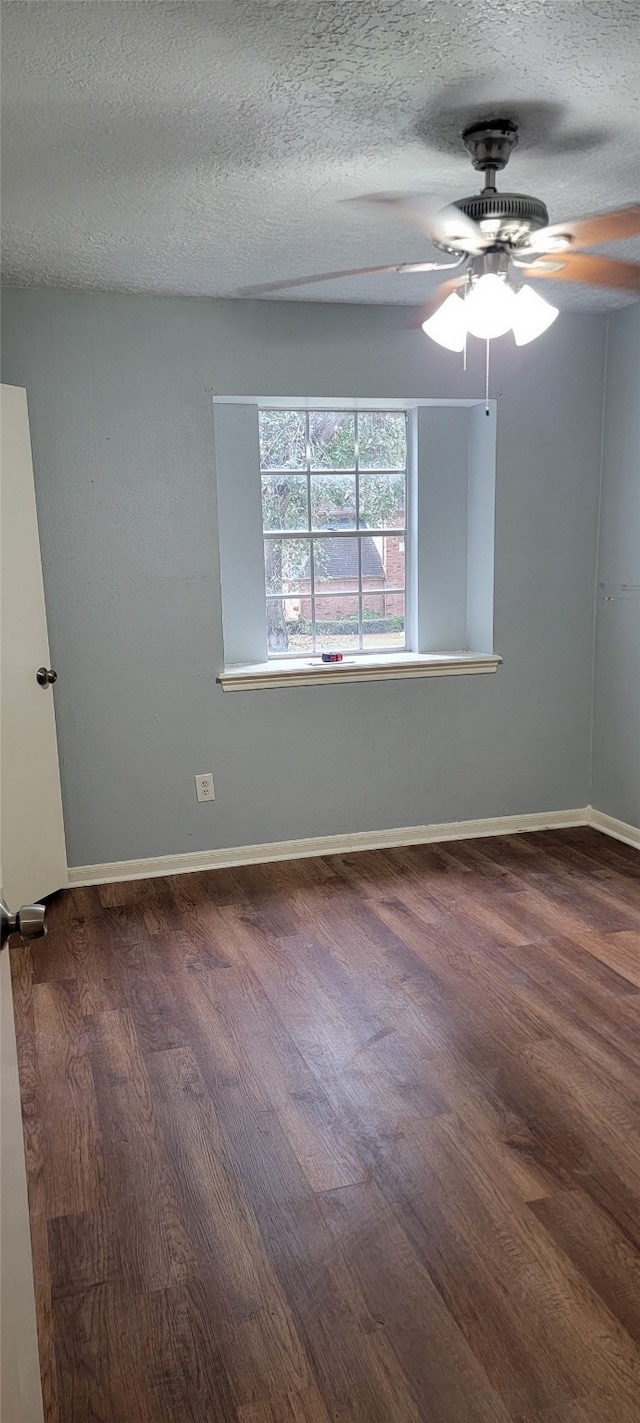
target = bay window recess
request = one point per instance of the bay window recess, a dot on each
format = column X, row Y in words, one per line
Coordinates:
column 363, row 528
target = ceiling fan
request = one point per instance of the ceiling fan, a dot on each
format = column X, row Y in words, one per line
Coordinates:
column 496, row 239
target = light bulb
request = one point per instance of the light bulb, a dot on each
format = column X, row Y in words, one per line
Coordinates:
column 489, row 307
column 532, row 315
column 448, row 324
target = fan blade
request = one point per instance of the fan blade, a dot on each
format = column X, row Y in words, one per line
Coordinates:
column 442, row 223
column 318, row 277
column 408, row 267
column 591, row 231
column 583, row 267
column 265, row 287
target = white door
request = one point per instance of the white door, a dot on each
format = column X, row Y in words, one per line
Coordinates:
column 33, row 863
column 32, row 849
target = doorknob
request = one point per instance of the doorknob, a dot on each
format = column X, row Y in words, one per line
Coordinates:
column 45, row 675
column 28, row 921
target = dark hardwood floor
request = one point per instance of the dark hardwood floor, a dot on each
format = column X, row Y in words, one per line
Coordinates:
column 353, row 1140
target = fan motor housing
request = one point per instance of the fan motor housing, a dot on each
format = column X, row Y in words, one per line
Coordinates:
column 507, row 217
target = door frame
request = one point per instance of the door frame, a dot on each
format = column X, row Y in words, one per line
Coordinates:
column 20, row 1380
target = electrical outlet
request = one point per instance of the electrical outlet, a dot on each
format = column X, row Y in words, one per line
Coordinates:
column 204, row 786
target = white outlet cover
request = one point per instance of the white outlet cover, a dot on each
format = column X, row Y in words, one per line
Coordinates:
column 204, row 786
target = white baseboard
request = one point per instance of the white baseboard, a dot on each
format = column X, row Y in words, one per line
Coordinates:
column 617, row 828
column 332, row 845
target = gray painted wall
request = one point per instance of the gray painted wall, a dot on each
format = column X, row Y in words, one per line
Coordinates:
column 120, row 400
column 616, row 700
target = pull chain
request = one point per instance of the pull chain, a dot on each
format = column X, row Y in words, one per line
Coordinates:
column 486, row 383
column 464, row 353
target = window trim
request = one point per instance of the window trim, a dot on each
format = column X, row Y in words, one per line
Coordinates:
column 311, row 672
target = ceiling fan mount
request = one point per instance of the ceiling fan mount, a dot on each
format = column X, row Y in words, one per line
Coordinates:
column 506, row 219
column 490, row 143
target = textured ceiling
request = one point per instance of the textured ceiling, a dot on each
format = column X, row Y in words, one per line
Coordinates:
column 199, row 148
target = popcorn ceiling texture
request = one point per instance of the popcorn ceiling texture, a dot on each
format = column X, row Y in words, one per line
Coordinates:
column 199, row 148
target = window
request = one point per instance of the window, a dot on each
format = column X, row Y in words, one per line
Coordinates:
column 362, row 526
column 334, row 519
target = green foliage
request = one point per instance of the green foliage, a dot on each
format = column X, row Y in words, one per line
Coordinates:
column 382, row 440
column 284, row 502
column 283, row 440
column 332, row 444
column 332, row 440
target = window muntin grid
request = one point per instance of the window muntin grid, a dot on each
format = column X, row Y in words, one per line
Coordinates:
column 299, row 525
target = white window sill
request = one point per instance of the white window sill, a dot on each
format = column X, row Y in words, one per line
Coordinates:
column 310, row 671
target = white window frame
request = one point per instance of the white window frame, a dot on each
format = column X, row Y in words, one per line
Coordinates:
column 358, row 533
column 449, row 572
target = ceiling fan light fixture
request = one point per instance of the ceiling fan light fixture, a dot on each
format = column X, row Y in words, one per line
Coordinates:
column 489, row 307
column 531, row 315
column 448, row 325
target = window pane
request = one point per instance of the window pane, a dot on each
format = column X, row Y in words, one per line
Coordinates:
column 383, row 621
column 382, row 500
column 336, row 623
column 283, row 439
column 333, row 501
column 284, row 501
column 335, row 565
column 372, row 563
column 289, row 625
column 382, row 440
column 392, row 553
column 286, row 565
column 332, row 436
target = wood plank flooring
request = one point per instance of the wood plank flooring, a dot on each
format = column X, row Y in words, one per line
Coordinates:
column 353, row 1140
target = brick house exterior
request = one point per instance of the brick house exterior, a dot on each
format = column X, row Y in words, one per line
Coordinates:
column 382, row 568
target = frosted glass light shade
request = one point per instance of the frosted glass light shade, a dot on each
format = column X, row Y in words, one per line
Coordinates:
column 448, row 325
column 532, row 315
column 489, row 307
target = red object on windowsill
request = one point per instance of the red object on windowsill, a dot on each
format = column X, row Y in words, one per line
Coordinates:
column 332, row 657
